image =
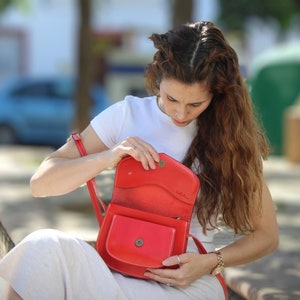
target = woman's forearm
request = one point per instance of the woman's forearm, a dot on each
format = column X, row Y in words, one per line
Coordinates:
column 58, row 176
column 250, row 248
column 262, row 241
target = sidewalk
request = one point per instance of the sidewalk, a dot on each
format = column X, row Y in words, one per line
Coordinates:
column 274, row 277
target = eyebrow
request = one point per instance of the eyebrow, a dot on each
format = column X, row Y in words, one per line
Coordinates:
column 197, row 102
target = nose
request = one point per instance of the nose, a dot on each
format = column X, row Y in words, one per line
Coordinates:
column 181, row 114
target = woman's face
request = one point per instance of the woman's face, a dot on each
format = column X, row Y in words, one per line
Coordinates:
column 183, row 102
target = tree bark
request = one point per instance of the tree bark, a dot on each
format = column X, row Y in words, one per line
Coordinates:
column 82, row 94
column 182, row 12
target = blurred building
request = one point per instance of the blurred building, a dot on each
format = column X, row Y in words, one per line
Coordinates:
column 42, row 40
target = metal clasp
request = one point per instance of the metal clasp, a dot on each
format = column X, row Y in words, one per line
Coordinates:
column 161, row 163
column 139, row 242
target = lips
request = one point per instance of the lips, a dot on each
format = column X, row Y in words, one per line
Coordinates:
column 179, row 123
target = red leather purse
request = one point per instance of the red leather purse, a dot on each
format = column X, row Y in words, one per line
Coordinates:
column 148, row 218
column 149, row 215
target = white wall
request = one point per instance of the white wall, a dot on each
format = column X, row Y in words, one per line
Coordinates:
column 50, row 27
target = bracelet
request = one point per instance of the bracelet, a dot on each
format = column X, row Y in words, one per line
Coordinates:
column 220, row 265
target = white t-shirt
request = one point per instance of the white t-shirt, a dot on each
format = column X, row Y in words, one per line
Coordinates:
column 142, row 117
column 58, row 279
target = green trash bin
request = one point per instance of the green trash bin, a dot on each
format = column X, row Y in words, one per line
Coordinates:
column 274, row 81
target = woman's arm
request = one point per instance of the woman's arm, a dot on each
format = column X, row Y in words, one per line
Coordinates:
column 64, row 170
column 262, row 241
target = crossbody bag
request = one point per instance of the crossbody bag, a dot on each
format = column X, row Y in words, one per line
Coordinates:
column 148, row 218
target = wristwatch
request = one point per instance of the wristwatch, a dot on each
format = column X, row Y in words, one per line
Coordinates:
column 220, row 265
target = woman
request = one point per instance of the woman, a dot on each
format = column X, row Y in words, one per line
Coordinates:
column 200, row 113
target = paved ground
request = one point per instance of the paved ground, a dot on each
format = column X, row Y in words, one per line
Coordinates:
column 22, row 214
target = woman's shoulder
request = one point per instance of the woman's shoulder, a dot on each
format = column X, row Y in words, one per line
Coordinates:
column 130, row 107
column 135, row 100
column 136, row 105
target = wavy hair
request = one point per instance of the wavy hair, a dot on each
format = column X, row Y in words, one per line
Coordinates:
column 229, row 144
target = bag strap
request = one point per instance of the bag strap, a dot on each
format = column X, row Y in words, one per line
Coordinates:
column 219, row 276
column 99, row 207
column 98, row 204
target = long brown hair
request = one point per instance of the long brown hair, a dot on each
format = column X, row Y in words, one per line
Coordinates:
column 229, row 144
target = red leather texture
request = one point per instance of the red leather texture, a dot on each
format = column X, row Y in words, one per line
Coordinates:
column 162, row 237
column 164, row 197
column 157, row 204
column 170, row 189
column 143, row 243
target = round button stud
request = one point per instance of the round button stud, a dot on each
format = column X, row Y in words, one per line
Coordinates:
column 139, row 242
column 161, row 163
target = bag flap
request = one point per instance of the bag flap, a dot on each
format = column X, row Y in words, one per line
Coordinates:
column 139, row 242
column 155, row 190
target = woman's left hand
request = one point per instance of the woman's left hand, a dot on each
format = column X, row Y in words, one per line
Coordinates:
column 191, row 266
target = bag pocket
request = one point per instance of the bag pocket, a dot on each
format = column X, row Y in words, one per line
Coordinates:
column 138, row 242
column 123, row 228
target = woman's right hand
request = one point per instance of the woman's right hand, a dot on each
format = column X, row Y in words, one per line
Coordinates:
column 138, row 149
column 53, row 178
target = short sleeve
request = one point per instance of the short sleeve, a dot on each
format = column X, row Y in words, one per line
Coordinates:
column 108, row 123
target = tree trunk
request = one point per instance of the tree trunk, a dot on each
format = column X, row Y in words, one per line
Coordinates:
column 82, row 96
column 182, row 12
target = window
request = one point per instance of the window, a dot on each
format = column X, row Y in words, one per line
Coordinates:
column 32, row 90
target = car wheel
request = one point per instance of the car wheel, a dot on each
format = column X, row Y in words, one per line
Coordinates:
column 7, row 135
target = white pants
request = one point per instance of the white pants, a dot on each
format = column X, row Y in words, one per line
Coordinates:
column 49, row 264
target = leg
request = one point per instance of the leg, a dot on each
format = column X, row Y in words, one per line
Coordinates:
column 49, row 264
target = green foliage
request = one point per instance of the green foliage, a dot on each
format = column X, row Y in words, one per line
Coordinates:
column 22, row 4
column 233, row 13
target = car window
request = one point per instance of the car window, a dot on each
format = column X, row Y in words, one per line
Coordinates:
column 32, row 90
column 53, row 89
column 62, row 89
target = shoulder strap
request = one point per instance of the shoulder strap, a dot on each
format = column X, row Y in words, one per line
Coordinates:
column 202, row 250
column 98, row 203
column 99, row 207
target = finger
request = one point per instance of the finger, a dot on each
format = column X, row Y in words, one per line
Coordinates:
column 142, row 145
column 150, row 154
column 165, row 280
column 164, row 273
column 142, row 157
column 172, row 278
column 154, row 154
column 148, row 160
column 172, row 261
column 143, row 152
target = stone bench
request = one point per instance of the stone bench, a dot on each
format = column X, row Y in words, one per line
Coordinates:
column 274, row 277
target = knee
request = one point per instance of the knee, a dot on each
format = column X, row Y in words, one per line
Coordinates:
column 45, row 237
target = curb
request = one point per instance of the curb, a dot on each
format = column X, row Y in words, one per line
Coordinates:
column 273, row 277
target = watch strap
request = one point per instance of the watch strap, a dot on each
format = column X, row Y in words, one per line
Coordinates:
column 220, row 265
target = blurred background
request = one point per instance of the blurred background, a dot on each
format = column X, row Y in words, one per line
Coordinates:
column 63, row 61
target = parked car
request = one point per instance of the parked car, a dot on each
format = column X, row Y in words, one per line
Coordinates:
column 41, row 111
